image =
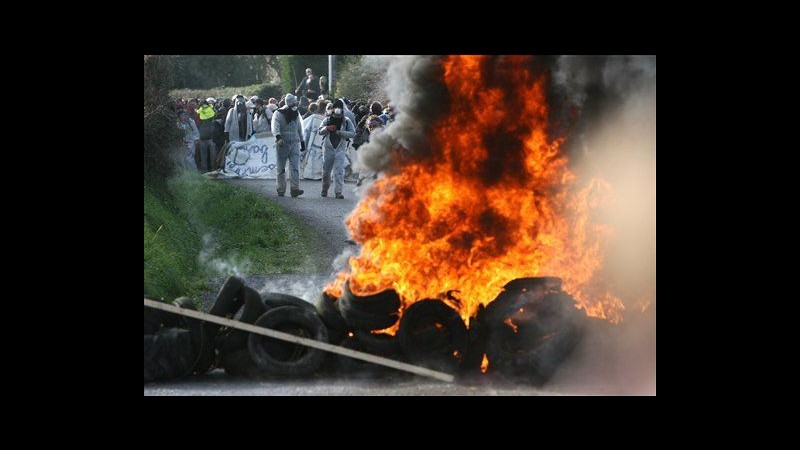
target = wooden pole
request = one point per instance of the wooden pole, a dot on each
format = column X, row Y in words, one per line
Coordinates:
column 417, row 370
column 330, row 76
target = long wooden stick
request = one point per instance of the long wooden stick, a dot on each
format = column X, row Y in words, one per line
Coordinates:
column 301, row 340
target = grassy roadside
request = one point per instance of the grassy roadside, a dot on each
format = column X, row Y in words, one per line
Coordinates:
column 195, row 229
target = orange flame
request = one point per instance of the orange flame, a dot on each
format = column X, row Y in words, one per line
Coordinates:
column 484, row 363
column 510, row 324
column 495, row 201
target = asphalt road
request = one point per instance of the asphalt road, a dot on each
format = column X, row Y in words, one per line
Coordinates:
column 610, row 360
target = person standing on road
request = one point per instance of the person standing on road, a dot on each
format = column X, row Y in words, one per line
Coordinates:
column 313, row 157
column 239, row 123
column 260, row 121
column 191, row 136
column 288, row 131
column 219, row 132
column 337, row 131
column 206, row 129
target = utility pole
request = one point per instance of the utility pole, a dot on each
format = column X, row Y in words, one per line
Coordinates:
column 330, row 75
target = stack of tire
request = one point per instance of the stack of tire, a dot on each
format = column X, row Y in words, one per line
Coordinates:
column 430, row 334
column 231, row 344
column 527, row 331
column 243, row 353
column 546, row 327
column 352, row 321
column 291, row 315
column 175, row 346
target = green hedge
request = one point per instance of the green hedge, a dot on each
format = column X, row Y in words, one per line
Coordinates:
column 293, row 69
column 262, row 90
column 161, row 136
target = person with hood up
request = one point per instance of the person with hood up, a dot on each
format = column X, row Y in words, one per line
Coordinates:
column 349, row 114
column 192, row 110
column 270, row 109
column 239, row 123
column 190, row 137
column 260, row 121
column 323, row 87
column 373, row 126
column 219, row 131
column 336, row 130
column 313, row 157
column 303, row 106
column 287, row 128
column 308, row 87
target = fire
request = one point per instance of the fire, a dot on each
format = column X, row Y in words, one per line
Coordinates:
column 510, row 324
column 494, row 201
column 484, row 364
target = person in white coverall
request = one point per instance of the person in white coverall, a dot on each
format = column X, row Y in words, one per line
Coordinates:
column 191, row 137
column 287, row 127
column 337, row 131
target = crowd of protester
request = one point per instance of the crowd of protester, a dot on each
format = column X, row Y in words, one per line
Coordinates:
column 295, row 120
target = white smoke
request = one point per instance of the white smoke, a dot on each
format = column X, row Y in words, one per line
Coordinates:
column 210, row 261
column 307, row 287
column 615, row 139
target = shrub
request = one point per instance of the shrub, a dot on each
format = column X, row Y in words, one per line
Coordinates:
column 293, row 69
column 261, row 90
column 161, row 135
column 362, row 78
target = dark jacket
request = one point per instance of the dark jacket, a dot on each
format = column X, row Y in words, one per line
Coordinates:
column 309, row 88
column 206, row 129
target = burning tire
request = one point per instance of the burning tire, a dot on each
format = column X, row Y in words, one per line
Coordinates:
column 520, row 284
column 478, row 338
column 358, row 320
column 283, row 358
column 432, row 334
column 545, row 359
column 328, row 311
column 510, row 355
column 502, row 348
column 516, row 294
column 378, row 344
column 358, row 367
column 371, row 312
column 275, row 300
column 533, row 341
column 383, row 303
